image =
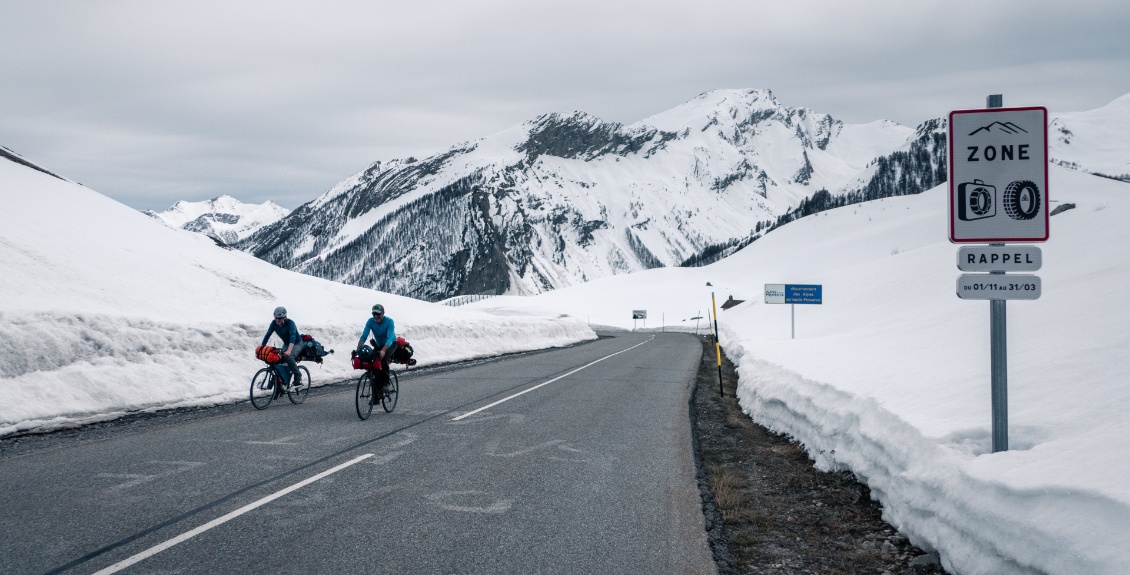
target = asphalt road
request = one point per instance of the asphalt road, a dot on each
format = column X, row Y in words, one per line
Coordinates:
column 590, row 470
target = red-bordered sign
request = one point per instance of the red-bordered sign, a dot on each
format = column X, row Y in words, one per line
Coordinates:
column 998, row 177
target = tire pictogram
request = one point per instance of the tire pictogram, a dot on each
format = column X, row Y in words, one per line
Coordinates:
column 1021, row 200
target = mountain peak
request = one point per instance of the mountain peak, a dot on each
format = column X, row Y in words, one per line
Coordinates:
column 717, row 106
column 224, row 217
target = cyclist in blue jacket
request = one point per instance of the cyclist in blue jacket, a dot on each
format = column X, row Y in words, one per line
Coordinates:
column 291, row 339
column 384, row 334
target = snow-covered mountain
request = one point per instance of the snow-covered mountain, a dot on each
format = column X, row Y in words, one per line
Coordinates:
column 224, row 218
column 566, row 198
column 1095, row 141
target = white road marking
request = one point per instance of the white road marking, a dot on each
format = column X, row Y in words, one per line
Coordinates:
column 135, row 479
column 492, row 449
column 221, row 520
column 525, row 391
column 495, row 507
column 289, row 440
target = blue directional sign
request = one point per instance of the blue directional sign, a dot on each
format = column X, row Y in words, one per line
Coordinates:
column 812, row 294
column 794, row 293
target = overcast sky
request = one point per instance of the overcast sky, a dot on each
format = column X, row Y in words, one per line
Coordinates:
column 151, row 102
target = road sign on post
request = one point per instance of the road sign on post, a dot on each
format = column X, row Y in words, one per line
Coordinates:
column 998, row 183
column 638, row 314
column 998, row 175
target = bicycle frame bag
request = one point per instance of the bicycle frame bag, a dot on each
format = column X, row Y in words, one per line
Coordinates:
column 268, row 354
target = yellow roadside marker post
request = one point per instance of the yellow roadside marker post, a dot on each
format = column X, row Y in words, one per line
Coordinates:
column 717, row 346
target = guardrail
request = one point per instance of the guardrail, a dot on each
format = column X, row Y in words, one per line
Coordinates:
column 465, row 299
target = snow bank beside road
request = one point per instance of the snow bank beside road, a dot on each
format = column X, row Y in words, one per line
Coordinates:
column 69, row 370
column 106, row 311
column 890, row 378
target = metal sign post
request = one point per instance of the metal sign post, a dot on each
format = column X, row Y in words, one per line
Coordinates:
column 998, row 182
column 794, row 294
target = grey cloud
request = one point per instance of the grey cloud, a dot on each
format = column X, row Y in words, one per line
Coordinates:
column 152, row 102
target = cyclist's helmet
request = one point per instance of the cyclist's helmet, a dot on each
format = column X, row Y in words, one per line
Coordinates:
column 280, row 312
column 379, row 309
column 366, row 353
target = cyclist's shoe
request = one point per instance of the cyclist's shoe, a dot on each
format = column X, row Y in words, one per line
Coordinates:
column 297, row 383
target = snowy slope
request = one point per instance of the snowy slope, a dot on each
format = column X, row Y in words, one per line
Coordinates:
column 1094, row 141
column 889, row 377
column 224, row 218
column 105, row 310
column 567, row 198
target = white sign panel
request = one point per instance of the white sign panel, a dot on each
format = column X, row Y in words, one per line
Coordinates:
column 998, row 286
column 774, row 293
column 639, row 314
column 999, row 258
column 998, row 178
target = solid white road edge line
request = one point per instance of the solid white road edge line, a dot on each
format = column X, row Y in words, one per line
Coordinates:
column 525, row 391
column 221, row 520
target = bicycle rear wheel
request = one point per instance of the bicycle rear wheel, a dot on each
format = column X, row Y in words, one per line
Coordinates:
column 262, row 388
column 364, row 394
column 391, row 392
column 298, row 393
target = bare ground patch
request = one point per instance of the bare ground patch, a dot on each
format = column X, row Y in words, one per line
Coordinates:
column 769, row 511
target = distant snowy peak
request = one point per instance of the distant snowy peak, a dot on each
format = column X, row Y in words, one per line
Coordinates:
column 225, row 217
column 715, row 107
column 1094, row 141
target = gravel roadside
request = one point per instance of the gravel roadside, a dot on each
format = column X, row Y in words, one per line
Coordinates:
column 769, row 511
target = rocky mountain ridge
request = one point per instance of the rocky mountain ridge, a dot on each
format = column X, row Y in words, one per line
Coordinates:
column 568, row 197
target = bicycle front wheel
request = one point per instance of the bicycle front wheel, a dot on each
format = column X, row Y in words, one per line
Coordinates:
column 298, row 393
column 262, row 388
column 391, row 392
column 364, row 395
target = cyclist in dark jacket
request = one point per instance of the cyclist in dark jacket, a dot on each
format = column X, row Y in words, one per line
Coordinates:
column 384, row 334
column 291, row 339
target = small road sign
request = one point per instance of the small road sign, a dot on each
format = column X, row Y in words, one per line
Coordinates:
column 998, row 178
column 999, row 258
column 998, row 286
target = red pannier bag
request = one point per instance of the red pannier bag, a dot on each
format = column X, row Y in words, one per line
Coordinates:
column 268, row 354
column 358, row 364
column 366, row 359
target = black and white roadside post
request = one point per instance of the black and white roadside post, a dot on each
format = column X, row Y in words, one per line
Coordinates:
column 717, row 345
column 998, row 184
